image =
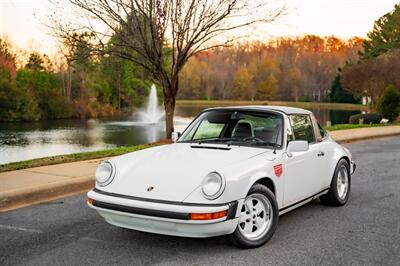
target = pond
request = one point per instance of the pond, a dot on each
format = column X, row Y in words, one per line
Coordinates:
column 24, row 141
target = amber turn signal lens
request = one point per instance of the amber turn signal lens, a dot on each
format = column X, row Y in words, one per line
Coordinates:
column 90, row 201
column 208, row 216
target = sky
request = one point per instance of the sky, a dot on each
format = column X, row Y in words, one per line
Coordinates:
column 22, row 20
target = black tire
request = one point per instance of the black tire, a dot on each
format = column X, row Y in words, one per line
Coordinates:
column 239, row 240
column 332, row 198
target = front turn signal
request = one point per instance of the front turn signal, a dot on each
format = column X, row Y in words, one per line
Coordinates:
column 90, row 201
column 208, row 216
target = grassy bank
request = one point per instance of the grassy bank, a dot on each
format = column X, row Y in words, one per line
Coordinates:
column 75, row 157
column 307, row 105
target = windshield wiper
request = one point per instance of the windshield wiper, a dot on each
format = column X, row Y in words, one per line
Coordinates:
column 210, row 140
column 252, row 141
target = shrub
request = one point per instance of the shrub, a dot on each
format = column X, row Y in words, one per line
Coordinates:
column 389, row 103
column 305, row 98
column 17, row 104
column 365, row 119
column 54, row 106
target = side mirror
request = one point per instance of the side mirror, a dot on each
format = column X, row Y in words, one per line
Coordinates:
column 175, row 136
column 296, row 146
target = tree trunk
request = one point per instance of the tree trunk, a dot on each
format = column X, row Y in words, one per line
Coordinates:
column 69, row 85
column 119, row 91
column 170, row 91
column 64, row 91
column 82, row 86
column 169, row 116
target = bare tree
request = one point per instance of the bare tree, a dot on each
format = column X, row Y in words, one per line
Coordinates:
column 371, row 76
column 161, row 35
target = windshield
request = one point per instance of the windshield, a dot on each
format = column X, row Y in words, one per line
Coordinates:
column 233, row 127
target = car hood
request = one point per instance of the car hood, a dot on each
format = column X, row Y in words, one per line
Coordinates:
column 172, row 172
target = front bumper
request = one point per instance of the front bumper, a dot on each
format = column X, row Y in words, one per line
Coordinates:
column 353, row 167
column 163, row 217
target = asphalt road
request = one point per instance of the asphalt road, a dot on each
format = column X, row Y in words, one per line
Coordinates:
column 364, row 232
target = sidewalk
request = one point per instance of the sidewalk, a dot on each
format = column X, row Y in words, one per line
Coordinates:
column 34, row 185
column 350, row 135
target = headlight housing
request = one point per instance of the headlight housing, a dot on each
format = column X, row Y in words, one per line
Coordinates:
column 213, row 185
column 105, row 173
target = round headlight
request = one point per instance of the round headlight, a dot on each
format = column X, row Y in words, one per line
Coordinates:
column 213, row 185
column 105, row 173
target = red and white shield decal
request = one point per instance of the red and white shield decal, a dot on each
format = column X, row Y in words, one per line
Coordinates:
column 278, row 170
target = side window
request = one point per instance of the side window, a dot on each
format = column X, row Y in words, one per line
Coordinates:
column 321, row 131
column 302, row 128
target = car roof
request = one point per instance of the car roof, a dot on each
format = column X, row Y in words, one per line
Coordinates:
column 282, row 109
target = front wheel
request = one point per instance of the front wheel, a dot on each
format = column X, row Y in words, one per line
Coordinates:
column 339, row 191
column 258, row 218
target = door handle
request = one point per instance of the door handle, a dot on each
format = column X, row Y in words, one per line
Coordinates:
column 321, row 153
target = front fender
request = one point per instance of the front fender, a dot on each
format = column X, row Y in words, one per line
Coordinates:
column 277, row 183
column 239, row 179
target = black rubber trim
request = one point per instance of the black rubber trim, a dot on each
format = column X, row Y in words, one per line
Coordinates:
column 158, row 201
column 354, row 167
column 141, row 211
column 157, row 213
column 232, row 207
column 300, row 201
column 232, row 210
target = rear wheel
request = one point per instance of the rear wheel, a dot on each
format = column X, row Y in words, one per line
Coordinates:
column 339, row 191
column 258, row 218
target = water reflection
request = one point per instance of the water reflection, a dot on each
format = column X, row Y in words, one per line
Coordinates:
column 133, row 132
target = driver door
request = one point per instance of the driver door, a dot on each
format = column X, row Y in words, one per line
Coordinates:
column 302, row 172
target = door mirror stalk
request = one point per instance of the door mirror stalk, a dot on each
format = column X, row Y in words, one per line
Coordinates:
column 175, row 136
column 296, row 146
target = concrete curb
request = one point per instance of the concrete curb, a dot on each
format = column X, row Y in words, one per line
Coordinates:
column 341, row 137
column 367, row 138
column 18, row 198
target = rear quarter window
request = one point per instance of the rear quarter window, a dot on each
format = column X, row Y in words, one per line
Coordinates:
column 322, row 131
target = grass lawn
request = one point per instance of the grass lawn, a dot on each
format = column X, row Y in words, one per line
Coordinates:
column 307, row 105
column 75, row 157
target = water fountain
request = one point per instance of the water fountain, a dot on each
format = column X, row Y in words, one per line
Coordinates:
column 147, row 123
column 153, row 113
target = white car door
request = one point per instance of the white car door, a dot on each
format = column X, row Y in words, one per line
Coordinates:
column 302, row 171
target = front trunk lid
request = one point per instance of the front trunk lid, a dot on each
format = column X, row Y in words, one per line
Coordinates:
column 172, row 172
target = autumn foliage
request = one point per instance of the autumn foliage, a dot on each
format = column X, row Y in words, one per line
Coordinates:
column 294, row 69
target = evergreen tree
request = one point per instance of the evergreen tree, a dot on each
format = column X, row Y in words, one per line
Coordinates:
column 384, row 36
column 338, row 94
column 35, row 62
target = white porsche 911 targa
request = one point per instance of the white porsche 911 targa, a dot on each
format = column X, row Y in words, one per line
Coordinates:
column 233, row 171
